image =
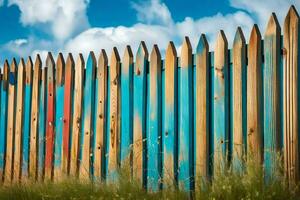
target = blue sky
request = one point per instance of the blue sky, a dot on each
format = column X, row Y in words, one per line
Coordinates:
column 37, row 26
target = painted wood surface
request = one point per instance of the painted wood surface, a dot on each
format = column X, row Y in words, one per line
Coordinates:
column 19, row 133
column 77, row 115
column 87, row 120
column 255, row 97
column 291, row 95
column 220, row 104
column 239, row 121
column 59, row 116
column 185, row 145
column 139, row 113
column 100, row 127
column 114, row 118
column 154, row 122
column 170, row 120
column 272, row 126
column 12, row 89
column 35, row 119
column 126, row 107
column 202, row 110
column 67, row 119
column 50, row 118
column 3, row 116
column 42, row 124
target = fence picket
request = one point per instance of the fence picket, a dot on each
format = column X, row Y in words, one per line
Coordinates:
column 202, row 110
column 50, row 117
column 12, row 84
column 170, row 121
column 154, row 121
column 3, row 116
column 272, row 127
column 35, row 120
column 19, row 133
column 239, row 100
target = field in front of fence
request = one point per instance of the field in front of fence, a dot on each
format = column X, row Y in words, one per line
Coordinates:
column 171, row 120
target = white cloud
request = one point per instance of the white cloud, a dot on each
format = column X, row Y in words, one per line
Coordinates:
column 64, row 17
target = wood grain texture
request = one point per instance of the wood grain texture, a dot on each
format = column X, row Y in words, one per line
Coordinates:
column 27, row 115
column 239, row 87
column 18, row 134
column 126, row 108
column 185, row 143
column 12, row 84
column 170, row 120
column 3, row 116
column 254, row 97
column 99, row 151
column 154, row 122
column 139, row 113
column 291, row 56
column 67, row 119
column 87, row 120
column 34, row 121
column 114, row 118
column 220, row 104
column 271, row 90
column 59, row 116
column 77, row 115
column 202, row 110
column 50, row 118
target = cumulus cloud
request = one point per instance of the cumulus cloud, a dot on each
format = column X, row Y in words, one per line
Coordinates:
column 64, row 18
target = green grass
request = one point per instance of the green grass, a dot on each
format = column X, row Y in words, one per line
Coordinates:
column 248, row 184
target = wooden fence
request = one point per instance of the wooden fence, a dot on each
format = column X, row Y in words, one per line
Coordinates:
column 172, row 121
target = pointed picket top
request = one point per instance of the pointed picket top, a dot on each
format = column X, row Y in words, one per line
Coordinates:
column 291, row 19
column 155, row 53
column 142, row 50
column 239, row 38
column 28, row 74
column 21, row 64
column 70, row 61
column 38, row 62
column 5, row 74
column 171, row 52
column 255, row 36
column 202, row 45
column 292, row 14
column 49, row 60
column 60, row 70
column 273, row 26
column 102, row 62
column 115, row 58
column 92, row 59
column 79, row 62
column 128, row 55
column 221, row 40
column 186, row 53
column 221, row 50
column 13, row 66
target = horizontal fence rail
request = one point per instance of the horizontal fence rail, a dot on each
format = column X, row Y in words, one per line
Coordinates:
column 172, row 121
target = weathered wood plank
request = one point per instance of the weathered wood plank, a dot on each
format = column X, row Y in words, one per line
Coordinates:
column 67, row 120
column 12, row 84
column 59, row 116
column 272, row 124
column 87, row 120
column 35, row 120
column 27, row 116
column 101, row 88
column 254, row 98
column 18, row 133
column 126, row 108
column 42, row 122
column 239, row 87
column 50, row 119
column 202, row 110
column 77, row 115
column 170, row 121
column 139, row 109
column 3, row 117
column 114, row 119
column 155, row 123
column 221, row 104
column 185, row 143
column 291, row 95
